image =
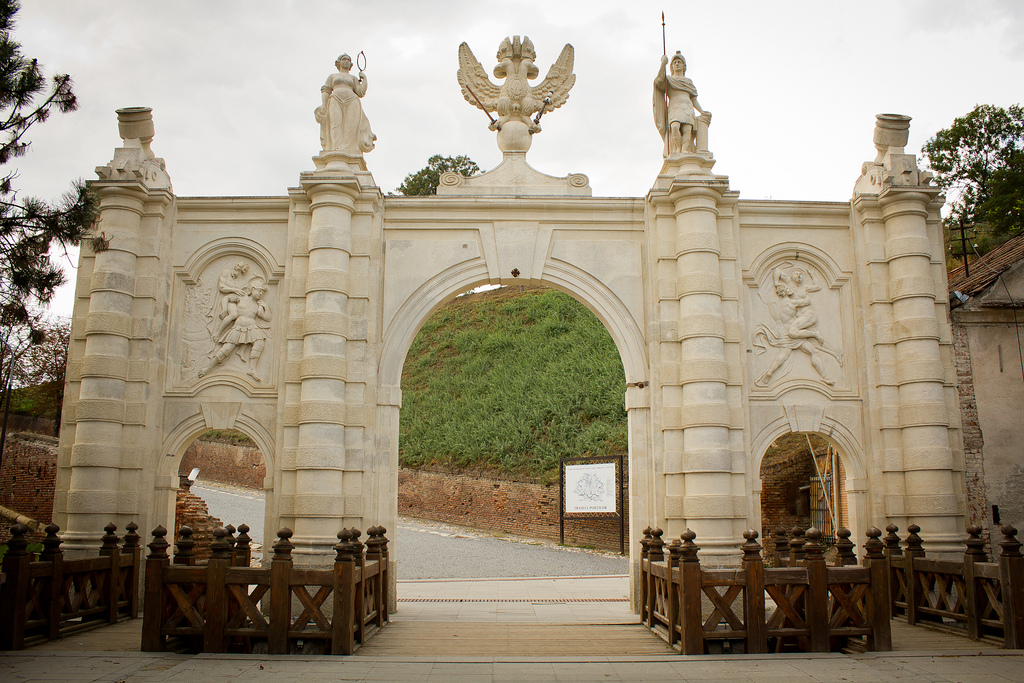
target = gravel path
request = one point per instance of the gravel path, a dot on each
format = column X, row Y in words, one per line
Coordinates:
column 432, row 550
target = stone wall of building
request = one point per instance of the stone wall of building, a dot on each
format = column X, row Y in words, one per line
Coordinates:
column 27, row 479
column 225, row 463
column 513, row 507
column 974, row 464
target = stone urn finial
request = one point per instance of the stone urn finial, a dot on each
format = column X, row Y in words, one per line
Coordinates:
column 136, row 123
column 891, row 134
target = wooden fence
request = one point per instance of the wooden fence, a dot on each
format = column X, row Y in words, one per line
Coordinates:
column 971, row 597
column 227, row 606
column 816, row 608
column 51, row 597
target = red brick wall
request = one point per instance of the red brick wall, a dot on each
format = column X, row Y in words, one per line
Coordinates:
column 191, row 511
column 225, row 463
column 781, row 501
column 514, row 507
column 27, row 479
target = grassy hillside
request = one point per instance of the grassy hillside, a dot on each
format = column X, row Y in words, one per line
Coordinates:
column 508, row 382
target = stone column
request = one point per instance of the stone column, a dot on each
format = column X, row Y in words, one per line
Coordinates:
column 901, row 252
column 103, row 454
column 94, row 496
column 698, row 459
column 314, row 494
column 931, row 499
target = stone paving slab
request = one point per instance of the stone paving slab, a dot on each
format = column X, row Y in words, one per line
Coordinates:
column 85, row 667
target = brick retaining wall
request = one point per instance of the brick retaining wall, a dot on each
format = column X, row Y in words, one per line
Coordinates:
column 27, row 479
column 514, row 507
column 225, row 463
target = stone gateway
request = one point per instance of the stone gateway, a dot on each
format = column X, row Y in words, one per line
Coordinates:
column 289, row 318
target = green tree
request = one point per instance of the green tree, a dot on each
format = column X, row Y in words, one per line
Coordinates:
column 40, row 372
column 979, row 161
column 425, row 181
column 29, row 227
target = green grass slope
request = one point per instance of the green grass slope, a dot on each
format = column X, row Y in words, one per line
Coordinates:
column 508, row 382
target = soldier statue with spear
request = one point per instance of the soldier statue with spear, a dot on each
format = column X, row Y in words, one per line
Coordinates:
column 675, row 105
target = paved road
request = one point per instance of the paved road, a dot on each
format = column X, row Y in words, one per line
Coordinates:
column 431, row 550
column 234, row 505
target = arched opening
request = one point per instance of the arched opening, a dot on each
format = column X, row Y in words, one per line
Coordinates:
column 497, row 388
column 221, row 482
column 401, row 324
column 803, row 483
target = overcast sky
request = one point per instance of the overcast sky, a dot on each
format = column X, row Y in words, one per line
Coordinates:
column 793, row 86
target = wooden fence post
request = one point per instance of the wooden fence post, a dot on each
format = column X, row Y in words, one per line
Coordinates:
column 110, row 550
column 131, row 583
column 672, row 587
column 216, row 604
column 358, row 593
column 645, row 578
column 817, row 592
column 879, row 605
column 691, row 623
column 280, row 594
column 343, row 637
column 845, row 556
column 374, row 553
column 655, row 553
column 915, row 549
column 892, row 550
column 781, row 541
column 153, row 607
column 243, row 549
column 1011, row 576
column 974, row 552
column 796, row 546
column 53, row 601
column 184, row 552
column 14, row 591
column 753, row 594
column 230, row 538
column 892, row 541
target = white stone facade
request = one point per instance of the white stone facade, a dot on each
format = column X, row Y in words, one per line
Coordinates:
column 737, row 321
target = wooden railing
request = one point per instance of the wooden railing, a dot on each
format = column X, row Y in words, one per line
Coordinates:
column 812, row 607
column 971, row 597
column 227, row 606
column 51, row 597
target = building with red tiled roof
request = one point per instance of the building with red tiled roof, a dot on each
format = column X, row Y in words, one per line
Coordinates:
column 986, row 300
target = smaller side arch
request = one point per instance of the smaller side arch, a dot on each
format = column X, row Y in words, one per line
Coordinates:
column 850, row 453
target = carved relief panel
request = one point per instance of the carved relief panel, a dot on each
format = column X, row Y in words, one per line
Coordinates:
column 800, row 317
column 226, row 306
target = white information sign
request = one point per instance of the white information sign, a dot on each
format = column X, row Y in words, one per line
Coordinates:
column 590, row 488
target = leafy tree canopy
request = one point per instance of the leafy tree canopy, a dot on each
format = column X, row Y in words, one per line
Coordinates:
column 39, row 371
column 31, row 227
column 979, row 160
column 425, row 181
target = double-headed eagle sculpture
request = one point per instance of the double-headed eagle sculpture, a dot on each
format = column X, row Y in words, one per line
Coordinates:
column 516, row 100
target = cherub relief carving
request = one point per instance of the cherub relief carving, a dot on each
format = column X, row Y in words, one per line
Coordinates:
column 796, row 322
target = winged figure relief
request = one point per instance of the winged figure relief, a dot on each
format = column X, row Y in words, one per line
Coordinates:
column 515, row 99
